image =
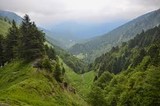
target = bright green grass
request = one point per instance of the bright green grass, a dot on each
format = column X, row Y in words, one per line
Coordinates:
column 4, row 26
column 23, row 85
column 81, row 82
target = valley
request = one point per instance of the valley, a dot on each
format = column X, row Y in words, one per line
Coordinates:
column 118, row 68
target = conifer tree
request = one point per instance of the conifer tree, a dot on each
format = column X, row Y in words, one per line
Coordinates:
column 57, row 73
column 32, row 40
column 11, row 42
column 1, row 50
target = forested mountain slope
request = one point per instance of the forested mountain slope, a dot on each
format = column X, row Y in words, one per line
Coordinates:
column 30, row 71
column 76, row 64
column 132, row 53
column 129, row 74
column 99, row 45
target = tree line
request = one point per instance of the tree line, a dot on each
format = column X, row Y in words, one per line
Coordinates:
column 26, row 42
column 23, row 42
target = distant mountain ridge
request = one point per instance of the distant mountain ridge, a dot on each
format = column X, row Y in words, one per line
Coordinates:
column 99, row 45
column 11, row 16
column 76, row 31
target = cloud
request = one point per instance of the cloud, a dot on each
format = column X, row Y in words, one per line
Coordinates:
column 52, row 11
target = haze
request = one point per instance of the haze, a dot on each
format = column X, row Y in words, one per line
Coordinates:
column 45, row 12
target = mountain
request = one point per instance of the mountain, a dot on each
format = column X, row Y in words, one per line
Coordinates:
column 11, row 16
column 72, row 32
column 131, row 53
column 76, row 64
column 99, row 45
column 35, row 75
column 129, row 74
column 83, row 30
column 51, row 37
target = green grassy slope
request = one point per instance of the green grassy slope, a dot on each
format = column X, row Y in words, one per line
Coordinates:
column 81, row 82
column 4, row 27
column 23, row 85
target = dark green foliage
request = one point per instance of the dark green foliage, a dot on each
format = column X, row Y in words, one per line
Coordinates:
column 96, row 97
column 26, row 42
column 2, row 58
column 50, row 52
column 131, row 54
column 76, row 64
column 63, row 71
column 11, row 42
column 31, row 41
column 44, row 64
column 47, row 65
column 104, row 79
column 139, row 88
column 143, row 88
column 136, row 65
column 57, row 73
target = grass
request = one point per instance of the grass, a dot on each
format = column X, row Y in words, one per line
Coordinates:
column 81, row 82
column 4, row 26
column 23, row 85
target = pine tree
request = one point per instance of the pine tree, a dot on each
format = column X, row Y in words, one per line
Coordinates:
column 1, row 50
column 32, row 40
column 12, row 42
column 57, row 73
column 50, row 52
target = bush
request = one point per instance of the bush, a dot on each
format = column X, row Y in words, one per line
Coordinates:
column 44, row 64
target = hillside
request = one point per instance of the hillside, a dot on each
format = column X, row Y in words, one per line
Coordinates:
column 4, row 26
column 129, row 74
column 76, row 64
column 81, row 82
column 132, row 53
column 99, row 45
column 31, row 72
column 120, row 68
column 73, row 62
column 21, row 84
column 10, row 16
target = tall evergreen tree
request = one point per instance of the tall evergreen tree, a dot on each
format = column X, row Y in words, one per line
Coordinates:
column 57, row 73
column 32, row 40
column 1, row 50
column 11, row 42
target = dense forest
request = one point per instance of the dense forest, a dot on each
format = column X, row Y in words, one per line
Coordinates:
column 129, row 74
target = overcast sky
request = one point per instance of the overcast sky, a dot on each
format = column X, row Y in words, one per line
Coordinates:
column 53, row 11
